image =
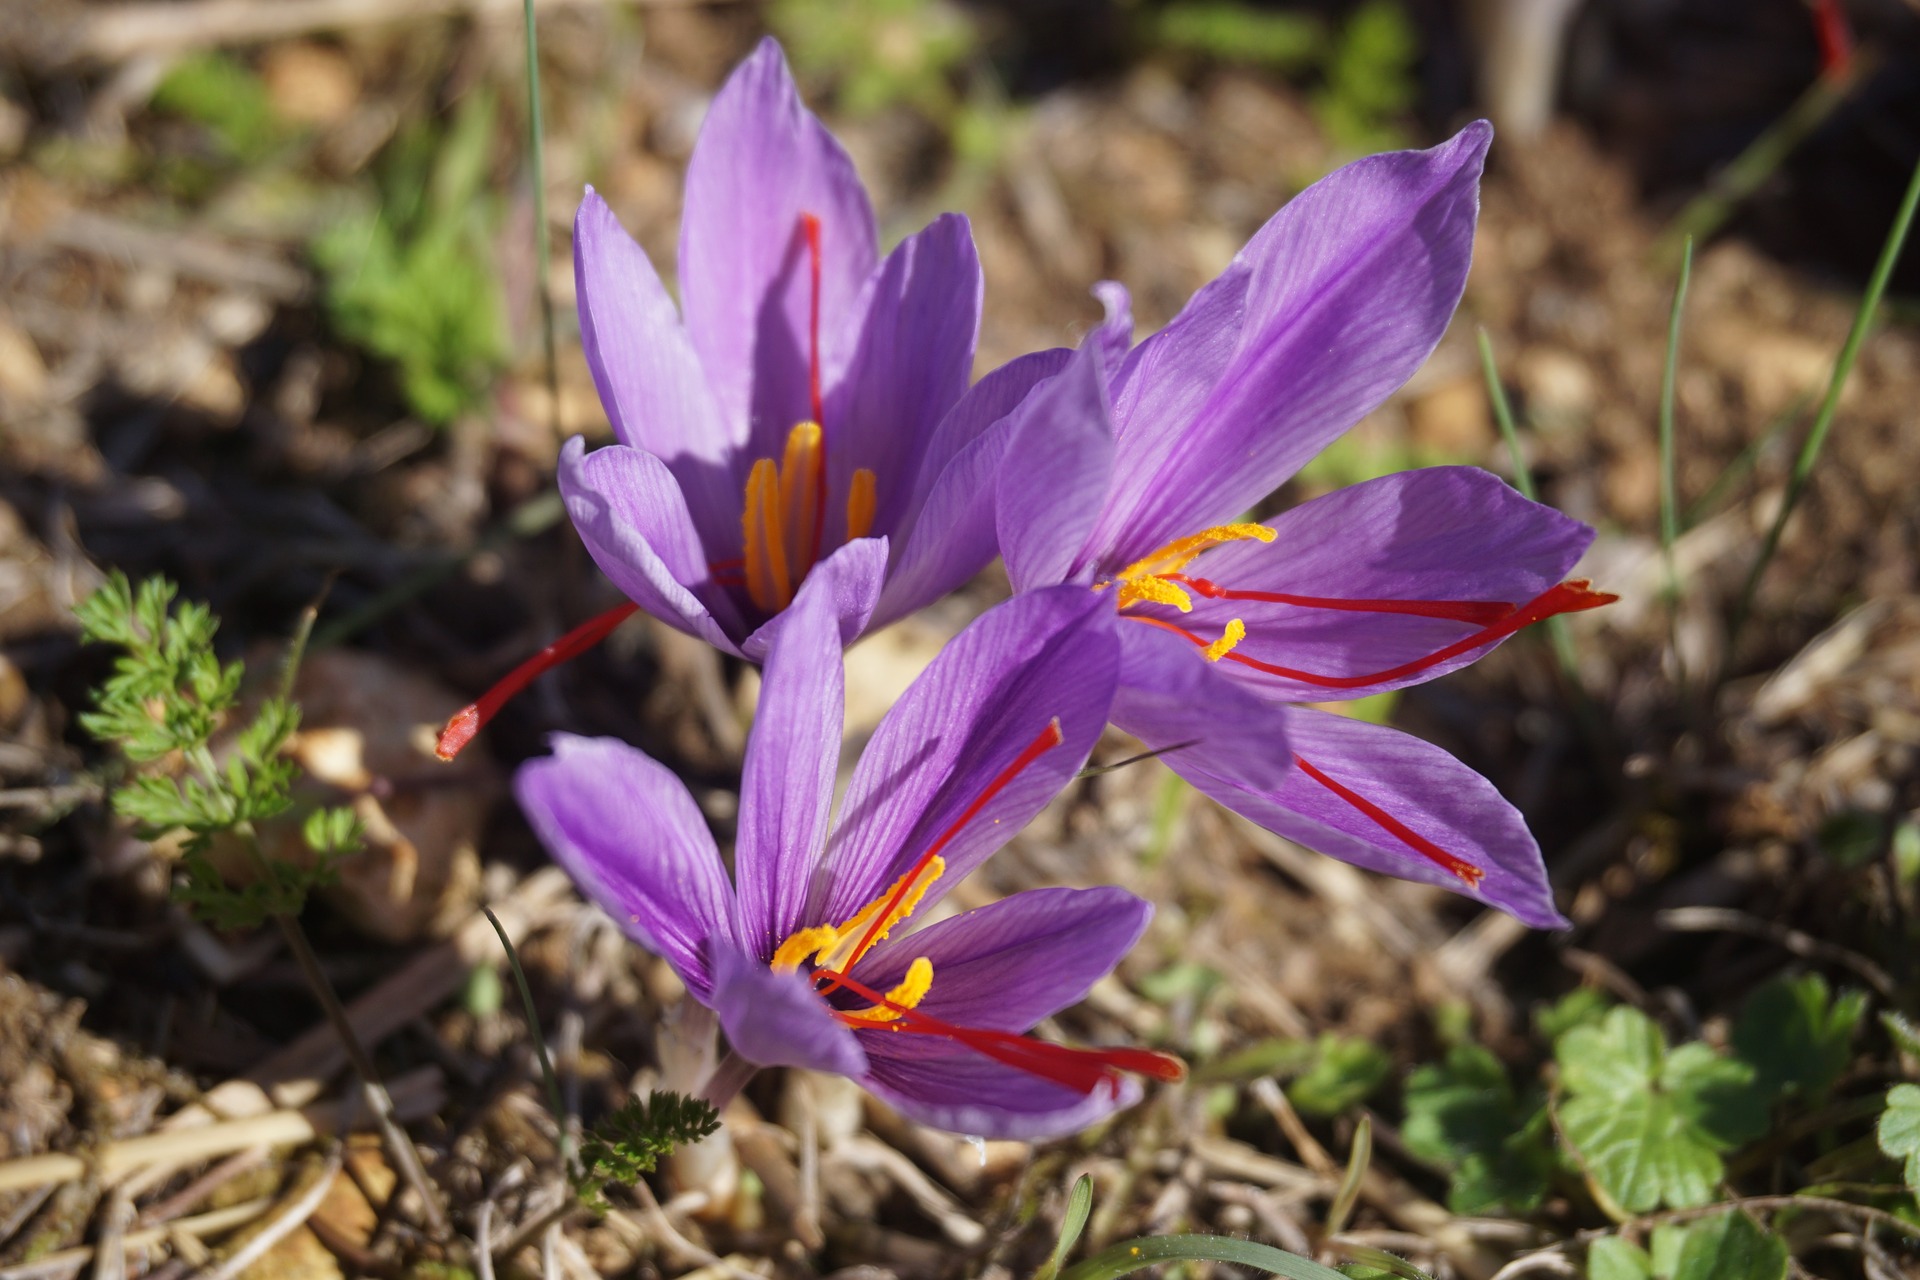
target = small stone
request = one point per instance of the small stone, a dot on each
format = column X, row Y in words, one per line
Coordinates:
column 1453, row 419
column 309, row 83
column 1558, row 386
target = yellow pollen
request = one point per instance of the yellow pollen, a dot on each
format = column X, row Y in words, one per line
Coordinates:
column 1154, row 591
column 782, row 520
column 768, row 582
column 838, row 947
column 908, row 994
column 1236, row 632
column 862, row 498
column 1144, row 581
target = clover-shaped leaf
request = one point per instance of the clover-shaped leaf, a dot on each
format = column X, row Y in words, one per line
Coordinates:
column 1649, row 1123
column 1899, row 1129
column 1797, row 1034
column 1465, row 1115
column 1731, row 1244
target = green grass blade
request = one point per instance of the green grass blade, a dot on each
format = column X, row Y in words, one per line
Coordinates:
column 1744, row 462
column 1079, row 1205
column 1136, row 1255
column 1669, row 375
column 1557, row 632
column 536, row 132
column 1830, row 405
column 1349, row 1193
column 554, row 1101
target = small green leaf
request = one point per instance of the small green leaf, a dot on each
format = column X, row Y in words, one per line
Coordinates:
column 1575, row 1009
column 1798, row 1035
column 1899, row 1130
column 1611, row 1258
column 632, row 1141
column 1648, row 1124
column 1072, row 1223
column 1905, row 1036
column 1730, row 1246
column 1344, row 1071
column 1464, row 1115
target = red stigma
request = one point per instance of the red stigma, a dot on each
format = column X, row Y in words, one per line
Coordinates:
column 1047, row 739
column 1480, row 613
column 1836, row 39
column 1468, row 874
column 1082, row 1070
column 469, row 720
column 1567, row 597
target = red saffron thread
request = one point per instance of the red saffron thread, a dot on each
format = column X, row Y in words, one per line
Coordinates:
column 1478, row 612
column 469, row 720
column 1566, row 597
column 1083, row 1070
column 1048, row 738
column 1460, row 867
column 1836, row 39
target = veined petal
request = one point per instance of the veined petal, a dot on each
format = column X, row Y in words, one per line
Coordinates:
column 909, row 357
column 1009, row 965
column 776, row 1020
column 963, row 1092
column 1413, row 540
column 762, row 161
column 1414, row 784
column 793, row 753
column 1042, row 656
column 649, row 378
column 633, row 519
column 850, row 578
column 1206, row 723
column 631, row 837
column 1347, row 290
column 947, row 534
column 1056, row 474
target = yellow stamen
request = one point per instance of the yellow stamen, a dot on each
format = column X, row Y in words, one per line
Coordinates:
column 838, row 947
column 1181, row 552
column 907, row 994
column 1154, row 591
column 768, row 583
column 1236, row 632
column 800, row 494
column 795, row 950
column 862, row 498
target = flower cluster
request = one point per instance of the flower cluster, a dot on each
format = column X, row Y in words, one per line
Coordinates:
column 800, row 458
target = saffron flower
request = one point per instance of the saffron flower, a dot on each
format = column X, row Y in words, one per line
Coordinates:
column 807, row 406
column 803, row 956
column 1133, row 466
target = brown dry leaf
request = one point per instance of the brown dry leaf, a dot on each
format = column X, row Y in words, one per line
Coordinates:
column 309, row 83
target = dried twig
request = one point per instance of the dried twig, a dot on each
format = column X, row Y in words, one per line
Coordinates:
column 68, row 1261
column 1804, row 945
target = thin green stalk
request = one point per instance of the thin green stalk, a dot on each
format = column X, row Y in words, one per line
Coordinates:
column 1744, row 461
column 536, row 132
column 554, row 1102
column 1830, row 405
column 1706, row 212
column 1523, row 481
column 1669, row 375
column 1146, row 1251
column 1669, row 500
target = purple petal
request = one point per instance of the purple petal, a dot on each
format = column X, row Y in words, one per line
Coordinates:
column 1348, row 289
column 911, row 356
column 1056, row 475
column 965, row 1093
column 1416, row 785
column 1007, row 966
column 1112, row 337
column 649, row 378
column 776, row 1020
column 990, row 693
column 631, row 516
column 851, row 578
column 948, row 532
column 630, row 836
column 792, row 756
column 1175, row 701
column 1438, row 535
column 762, row 160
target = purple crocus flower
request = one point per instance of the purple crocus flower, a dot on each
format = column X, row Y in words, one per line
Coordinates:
column 807, row 407
column 800, row 955
column 1132, row 466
